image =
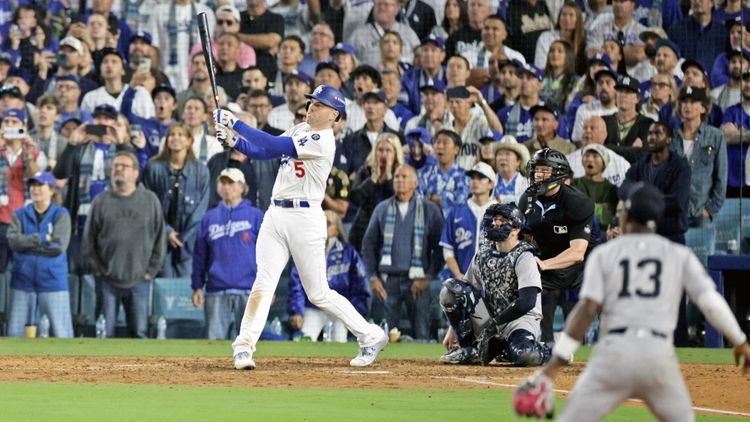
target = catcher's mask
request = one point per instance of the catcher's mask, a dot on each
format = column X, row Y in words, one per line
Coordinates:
column 509, row 211
column 550, row 158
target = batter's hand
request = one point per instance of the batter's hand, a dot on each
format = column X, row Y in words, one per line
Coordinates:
column 295, row 321
column 377, row 287
column 198, row 298
column 225, row 136
column 225, row 117
column 418, row 287
column 743, row 350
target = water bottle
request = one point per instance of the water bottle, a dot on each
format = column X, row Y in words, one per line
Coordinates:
column 384, row 326
column 328, row 332
column 101, row 327
column 161, row 328
column 44, row 327
column 276, row 327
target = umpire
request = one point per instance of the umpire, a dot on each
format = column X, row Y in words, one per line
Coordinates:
column 559, row 218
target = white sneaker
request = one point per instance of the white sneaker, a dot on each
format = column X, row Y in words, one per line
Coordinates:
column 367, row 354
column 244, row 360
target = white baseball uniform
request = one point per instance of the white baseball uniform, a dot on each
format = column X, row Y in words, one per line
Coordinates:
column 300, row 231
column 638, row 279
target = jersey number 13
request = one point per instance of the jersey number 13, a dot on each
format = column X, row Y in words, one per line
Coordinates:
column 652, row 267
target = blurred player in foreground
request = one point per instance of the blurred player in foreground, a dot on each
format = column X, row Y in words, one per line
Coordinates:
column 636, row 282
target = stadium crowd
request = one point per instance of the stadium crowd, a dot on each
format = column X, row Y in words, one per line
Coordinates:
column 109, row 164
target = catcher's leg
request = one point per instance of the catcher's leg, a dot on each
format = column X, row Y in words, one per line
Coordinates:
column 524, row 350
column 459, row 300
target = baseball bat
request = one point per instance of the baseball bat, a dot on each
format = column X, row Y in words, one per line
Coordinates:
column 207, row 53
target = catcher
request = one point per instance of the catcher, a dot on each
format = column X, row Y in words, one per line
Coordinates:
column 495, row 312
column 636, row 282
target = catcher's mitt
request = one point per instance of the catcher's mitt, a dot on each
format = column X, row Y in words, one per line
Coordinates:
column 534, row 397
column 485, row 350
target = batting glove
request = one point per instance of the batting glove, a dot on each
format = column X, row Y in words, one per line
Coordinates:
column 225, row 136
column 534, row 397
column 225, row 117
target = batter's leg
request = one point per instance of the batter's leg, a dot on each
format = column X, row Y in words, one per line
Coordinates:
column 272, row 255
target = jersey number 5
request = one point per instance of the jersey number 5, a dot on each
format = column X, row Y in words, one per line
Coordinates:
column 654, row 265
column 299, row 170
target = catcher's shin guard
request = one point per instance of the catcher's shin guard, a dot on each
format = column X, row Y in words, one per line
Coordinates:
column 525, row 350
column 458, row 301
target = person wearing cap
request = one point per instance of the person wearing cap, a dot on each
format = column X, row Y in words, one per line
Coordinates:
column 621, row 282
column 47, row 137
column 627, row 128
column 494, row 34
column 622, row 27
column 420, row 149
column 461, row 234
column 357, row 145
column 595, row 132
column 705, row 149
column 345, row 57
column 436, row 115
column 38, row 235
column 523, row 37
column 366, row 79
column 699, row 35
column 227, row 235
column 736, row 130
column 510, row 160
column 469, row 35
column 516, row 119
column 146, row 134
column 291, row 53
column 595, row 159
column 123, row 273
column 445, row 183
column 585, row 90
column 321, row 43
column 730, row 93
column 603, row 105
column 431, row 57
column 644, row 69
column 68, row 93
column 739, row 38
column 547, row 125
column 140, row 54
column 115, row 92
column 384, row 18
column 174, row 30
column 666, row 57
column 69, row 57
column 486, row 148
column 503, row 89
column 471, row 127
column 695, row 76
column 228, row 21
column 296, row 86
column 393, row 95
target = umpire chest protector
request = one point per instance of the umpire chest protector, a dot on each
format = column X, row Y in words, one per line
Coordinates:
column 498, row 273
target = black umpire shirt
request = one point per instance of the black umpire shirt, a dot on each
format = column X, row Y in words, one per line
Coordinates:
column 555, row 221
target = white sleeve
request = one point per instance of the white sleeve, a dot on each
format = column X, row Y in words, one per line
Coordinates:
column 143, row 105
column 473, row 277
column 311, row 145
column 87, row 104
column 527, row 272
column 718, row 313
column 596, row 38
column 581, row 115
column 593, row 278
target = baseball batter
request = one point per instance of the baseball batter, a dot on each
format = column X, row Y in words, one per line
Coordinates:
column 636, row 282
column 295, row 225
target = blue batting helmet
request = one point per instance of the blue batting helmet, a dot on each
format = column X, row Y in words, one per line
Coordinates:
column 331, row 97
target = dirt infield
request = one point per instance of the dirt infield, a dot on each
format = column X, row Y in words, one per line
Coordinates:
column 711, row 386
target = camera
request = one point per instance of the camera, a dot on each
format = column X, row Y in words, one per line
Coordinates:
column 96, row 130
column 14, row 133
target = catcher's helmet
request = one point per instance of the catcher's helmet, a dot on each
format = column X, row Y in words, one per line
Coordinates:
column 331, row 97
column 509, row 211
column 550, row 158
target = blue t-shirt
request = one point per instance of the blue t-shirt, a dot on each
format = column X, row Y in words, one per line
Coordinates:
column 735, row 153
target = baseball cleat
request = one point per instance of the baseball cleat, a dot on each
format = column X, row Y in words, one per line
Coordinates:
column 367, row 354
column 461, row 356
column 244, row 360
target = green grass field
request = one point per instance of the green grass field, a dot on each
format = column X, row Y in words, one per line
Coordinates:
column 42, row 401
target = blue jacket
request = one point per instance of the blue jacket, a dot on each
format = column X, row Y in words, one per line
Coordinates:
column 412, row 81
column 346, row 275
column 460, row 234
column 736, row 153
column 708, row 165
column 40, row 266
column 224, row 253
column 700, row 44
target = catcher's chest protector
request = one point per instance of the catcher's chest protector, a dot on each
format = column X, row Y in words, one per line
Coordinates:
column 498, row 272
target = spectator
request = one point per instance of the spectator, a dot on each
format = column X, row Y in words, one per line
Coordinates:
column 665, row 63
column 735, row 129
column 235, row 160
column 462, row 230
column 374, row 183
column 195, row 117
column 391, row 50
column 471, row 127
column 68, row 93
column 595, row 132
column 668, row 172
column 296, row 85
column 486, row 148
column 585, row 91
column 345, row 57
column 622, row 27
column 494, row 33
column 705, row 149
column 658, row 14
column 259, row 105
column 626, row 128
column 569, row 27
column 595, row 186
column 115, row 92
column 148, row 134
column 142, row 58
column 174, row 27
column 420, row 149
column 365, row 38
column 729, row 94
column 419, row 15
column 731, row 9
column 392, row 88
column 616, row 54
column 200, row 85
column 327, row 73
column 346, row 275
column 446, row 183
column 455, row 17
column 604, row 105
column 469, row 35
column 435, row 115
column 48, row 140
column 431, row 57
column 400, row 263
column 38, row 236
column 695, row 76
column 321, row 42
column 122, row 217
column 503, row 89
column 523, row 37
column 738, row 39
column 660, row 103
column 252, row 79
column 699, row 35
column 457, row 71
column 69, row 56
column 262, row 30
column 559, row 76
column 516, row 119
column 511, row 159
column 226, row 236
column 366, row 79
column 291, row 53
column 645, row 69
column 228, row 22
column 229, row 71
column 546, row 127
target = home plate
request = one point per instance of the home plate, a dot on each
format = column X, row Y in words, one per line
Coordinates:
column 367, row 372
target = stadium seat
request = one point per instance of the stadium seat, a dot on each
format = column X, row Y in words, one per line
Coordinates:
column 173, row 298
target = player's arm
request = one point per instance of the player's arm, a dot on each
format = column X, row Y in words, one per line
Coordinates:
column 579, row 233
column 252, row 142
column 573, row 255
column 529, row 286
